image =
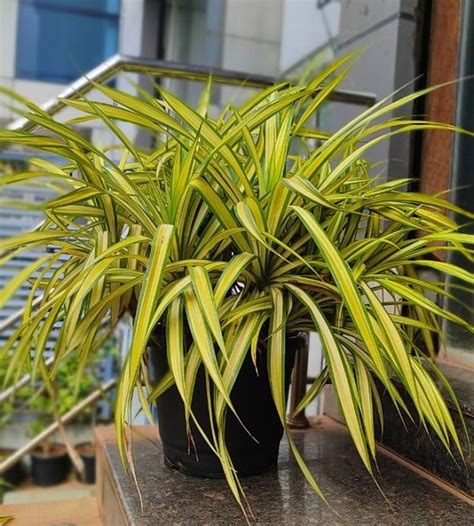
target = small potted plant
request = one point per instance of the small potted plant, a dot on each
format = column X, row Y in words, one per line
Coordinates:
column 87, row 453
column 50, row 463
column 87, row 450
column 17, row 473
column 225, row 241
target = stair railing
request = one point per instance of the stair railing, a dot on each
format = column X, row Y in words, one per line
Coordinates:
column 127, row 64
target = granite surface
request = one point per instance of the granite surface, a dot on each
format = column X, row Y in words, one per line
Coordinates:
column 410, row 439
column 282, row 496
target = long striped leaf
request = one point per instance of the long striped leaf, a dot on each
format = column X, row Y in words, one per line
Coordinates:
column 203, row 341
column 152, row 283
column 276, row 373
column 207, row 303
column 341, row 375
column 346, row 284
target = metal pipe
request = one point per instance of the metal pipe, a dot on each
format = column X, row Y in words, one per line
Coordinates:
column 298, row 386
column 123, row 63
column 5, row 395
column 17, row 315
column 72, row 413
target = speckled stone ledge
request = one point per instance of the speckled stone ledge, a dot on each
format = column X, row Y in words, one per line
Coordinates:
column 278, row 497
column 410, row 439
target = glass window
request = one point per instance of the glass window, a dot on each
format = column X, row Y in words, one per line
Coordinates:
column 60, row 40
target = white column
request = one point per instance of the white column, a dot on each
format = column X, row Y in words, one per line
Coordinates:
column 8, row 27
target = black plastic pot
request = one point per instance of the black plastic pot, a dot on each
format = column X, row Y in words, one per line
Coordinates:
column 253, row 402
column 17, row 473
column 49, row 467
column 87, row 454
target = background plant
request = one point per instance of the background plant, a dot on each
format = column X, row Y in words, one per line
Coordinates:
column 61, row 396
column 259, row 198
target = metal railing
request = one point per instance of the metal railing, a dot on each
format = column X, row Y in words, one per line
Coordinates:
column 104, row 73
column 127, row 64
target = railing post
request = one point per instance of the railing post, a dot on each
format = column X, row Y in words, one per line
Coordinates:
column 299, row 379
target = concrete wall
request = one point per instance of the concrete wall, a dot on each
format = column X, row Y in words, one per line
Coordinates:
column 239, row 35
column 388, row 29
column 252, row 36
column 307, row 28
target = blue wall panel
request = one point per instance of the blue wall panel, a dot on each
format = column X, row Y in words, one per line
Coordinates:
column 60, row 40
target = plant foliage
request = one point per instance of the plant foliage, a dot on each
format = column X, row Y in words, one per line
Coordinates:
column 231, row 226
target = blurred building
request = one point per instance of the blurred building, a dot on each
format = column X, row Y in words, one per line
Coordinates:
column 46, row 44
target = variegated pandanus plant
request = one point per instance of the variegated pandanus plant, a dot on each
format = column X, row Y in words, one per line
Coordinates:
column 253, row 225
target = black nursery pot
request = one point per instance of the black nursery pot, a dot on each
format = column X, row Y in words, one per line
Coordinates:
column 87, row 454
column 17, row 473
column 49, row 468
column 251, row 397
